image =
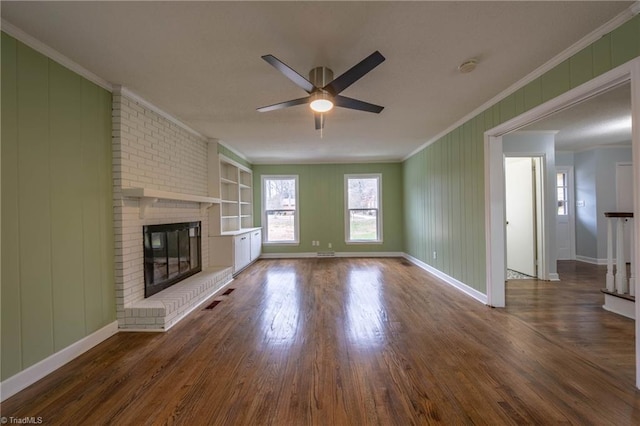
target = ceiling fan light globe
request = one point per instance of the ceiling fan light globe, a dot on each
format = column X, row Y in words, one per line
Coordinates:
column 321, row 105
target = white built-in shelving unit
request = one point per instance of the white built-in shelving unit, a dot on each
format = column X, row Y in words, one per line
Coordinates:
column 233, row 240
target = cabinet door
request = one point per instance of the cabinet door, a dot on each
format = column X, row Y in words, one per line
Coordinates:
column 242, row 251
column 256, row 244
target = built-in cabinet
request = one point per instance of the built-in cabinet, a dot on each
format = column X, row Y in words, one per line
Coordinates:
column 238, row 250
column 233, row 240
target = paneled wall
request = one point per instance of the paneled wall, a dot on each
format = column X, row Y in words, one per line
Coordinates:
column 57, row 230
column 321, row 205
column 444, row 183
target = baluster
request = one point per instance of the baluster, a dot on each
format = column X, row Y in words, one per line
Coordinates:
column 632, row 251
column 621, row 265
column 610, row 281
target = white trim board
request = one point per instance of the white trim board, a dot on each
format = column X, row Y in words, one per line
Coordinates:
column 469, row 291
column 127, row 93
column 32, row 374
column 54, row 55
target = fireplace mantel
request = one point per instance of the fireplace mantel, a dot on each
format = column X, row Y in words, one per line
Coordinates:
column 149, row 196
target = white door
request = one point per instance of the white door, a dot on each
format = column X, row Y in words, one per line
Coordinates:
column 624, row 199
column 565, row 219
column 520, row 215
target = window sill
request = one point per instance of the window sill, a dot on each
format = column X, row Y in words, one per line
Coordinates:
column 356, row 242
column 281, row 243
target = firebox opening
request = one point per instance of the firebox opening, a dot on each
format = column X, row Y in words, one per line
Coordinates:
column 171, row 254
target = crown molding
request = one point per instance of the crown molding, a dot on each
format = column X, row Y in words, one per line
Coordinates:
column 123, row 91
column 585, row 41
column 53, row 54
column 236, row 152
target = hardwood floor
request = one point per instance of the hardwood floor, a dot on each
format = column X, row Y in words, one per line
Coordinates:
column 358, row 342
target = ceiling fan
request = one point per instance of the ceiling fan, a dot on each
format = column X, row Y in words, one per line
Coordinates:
column 324, row 91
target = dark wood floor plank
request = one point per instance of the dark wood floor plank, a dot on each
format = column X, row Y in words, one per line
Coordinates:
column 360, row 341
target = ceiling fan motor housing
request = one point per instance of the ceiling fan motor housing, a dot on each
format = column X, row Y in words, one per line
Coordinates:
column 320, row 76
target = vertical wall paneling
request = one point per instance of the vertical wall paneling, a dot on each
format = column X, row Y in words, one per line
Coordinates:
column 90, row 151
column 66, row 207
column 625, row 42
column 106, row 223
column 555, row 82
column 601, row 62
column 465, row 214
column 580, row 66
column 34, row 205
column 53, row 283
column 10, row 309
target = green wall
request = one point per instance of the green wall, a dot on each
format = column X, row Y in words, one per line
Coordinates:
column 57, row 228
column 232, row 155
column 444, row 182
column 321, row 204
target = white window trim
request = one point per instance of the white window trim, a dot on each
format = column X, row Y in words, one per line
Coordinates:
column 296, row 220
column 377, row 176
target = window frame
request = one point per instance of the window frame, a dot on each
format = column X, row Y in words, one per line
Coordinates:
column 296, row 215
column 565, row 188
column 347, row 223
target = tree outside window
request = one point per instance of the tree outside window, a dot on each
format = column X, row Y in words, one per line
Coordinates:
column 363, row 212
column 279, row 208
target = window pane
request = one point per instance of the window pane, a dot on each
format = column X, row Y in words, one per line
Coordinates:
column 281, row 225
column 280, row 204
column 363, row 193
column 280, row 194
column 363, row 225
column 562, row 179
column 561, row 194
column 562, row 208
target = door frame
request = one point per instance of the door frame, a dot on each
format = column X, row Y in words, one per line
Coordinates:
column 494, row 176
column 571, row 208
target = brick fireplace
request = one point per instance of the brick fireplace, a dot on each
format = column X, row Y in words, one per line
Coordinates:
column 153, row 152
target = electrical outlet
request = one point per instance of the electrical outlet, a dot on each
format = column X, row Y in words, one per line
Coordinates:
column 435, row 254
column 329, row 245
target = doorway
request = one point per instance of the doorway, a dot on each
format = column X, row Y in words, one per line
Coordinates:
column 494, row 173
column 523, row 210
column 565, row 220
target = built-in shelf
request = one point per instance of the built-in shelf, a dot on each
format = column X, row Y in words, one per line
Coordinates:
column 233, row 182
column 149, row 196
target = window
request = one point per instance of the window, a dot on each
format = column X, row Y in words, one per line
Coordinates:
column 280, row 209
column 363, row 216
column 562, row 190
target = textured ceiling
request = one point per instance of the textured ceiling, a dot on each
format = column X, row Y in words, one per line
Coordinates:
column 200, row 62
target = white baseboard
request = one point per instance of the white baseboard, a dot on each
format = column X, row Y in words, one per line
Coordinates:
column 336, row 254
column 30, row 375
column 481, row 297
column 554, row 277
column 619, row 306
column 592, row 260
column 288, row 255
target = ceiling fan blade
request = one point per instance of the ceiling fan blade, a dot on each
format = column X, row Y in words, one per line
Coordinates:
column 290, row 73
column 319, row 118
column 344, row 102
column 355, row 73
column 286, row 104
